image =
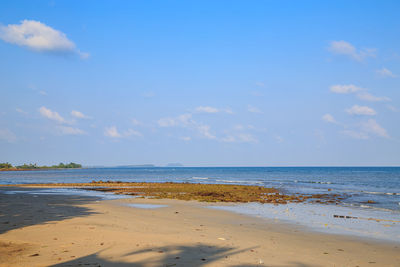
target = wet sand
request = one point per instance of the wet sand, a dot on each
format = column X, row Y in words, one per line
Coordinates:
column 65, row 230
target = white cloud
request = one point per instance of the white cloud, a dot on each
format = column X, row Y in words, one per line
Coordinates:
column 186, row 121
column 52, row 115
column 361, row 92
column 34, row 88
column 186, row 138
column 342, row 47
column 369, row 97
column 355, row 134
column 7, row 135
column 392, row 108
column 83, row 55
column 182, row 121
column 135, row 122
column 345, row 88
column 239, row 138
column 329, row 118
column 229, row 139
column 253, row 109
column 38, row 37
column 167, row 122
column 365, row 129
column 347, row 49
column 247, row 138
column 79, row 115
column 238, row 134
column 204, row 131
column 67, row 130
column 112, row 132
column 361, row 110
column 131, row 132
column 21, row 111
column 228, row 110
column 371, row 126
column 207, row 109
column 384, row 72
column 238, row 127
column 279, row 139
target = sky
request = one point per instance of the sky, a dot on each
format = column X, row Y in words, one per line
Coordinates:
column 202, row 83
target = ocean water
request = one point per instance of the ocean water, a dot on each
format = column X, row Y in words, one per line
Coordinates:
column 358, row 184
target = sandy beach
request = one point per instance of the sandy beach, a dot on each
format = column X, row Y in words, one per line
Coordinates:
column 200, row 133
column 60, row 230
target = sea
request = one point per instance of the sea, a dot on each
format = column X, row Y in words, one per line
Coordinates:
column 370, row 208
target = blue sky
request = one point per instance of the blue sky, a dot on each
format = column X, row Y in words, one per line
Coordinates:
column 204, row 83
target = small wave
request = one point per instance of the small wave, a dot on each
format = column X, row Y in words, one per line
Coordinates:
column 229, row 181
column 239, row 181
column 381, row 193
column 313, row 182
column 200, row 178
column 372, row 192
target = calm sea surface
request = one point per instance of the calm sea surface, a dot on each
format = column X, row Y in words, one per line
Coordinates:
column 360, row 184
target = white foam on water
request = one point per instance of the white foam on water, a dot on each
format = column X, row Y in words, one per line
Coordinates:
column 239, row 181
column 199, row 178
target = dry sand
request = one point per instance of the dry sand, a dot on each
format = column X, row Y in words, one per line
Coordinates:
column 57, row 230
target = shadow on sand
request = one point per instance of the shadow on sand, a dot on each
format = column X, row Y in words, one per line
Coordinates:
column 19, row 210
column 194, row 256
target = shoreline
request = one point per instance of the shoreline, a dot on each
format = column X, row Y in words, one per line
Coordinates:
column 361, row 186
column 70, row 230
column 318, row 216
column 202, row 192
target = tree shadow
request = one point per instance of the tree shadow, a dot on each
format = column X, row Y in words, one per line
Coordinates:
column 169, row 256
column 184, row 255
column 23, row 208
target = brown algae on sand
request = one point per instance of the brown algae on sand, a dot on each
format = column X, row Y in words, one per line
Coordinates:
column 204, row 192
column 199, row 192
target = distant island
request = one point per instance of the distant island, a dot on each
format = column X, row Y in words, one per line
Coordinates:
column 26, row 167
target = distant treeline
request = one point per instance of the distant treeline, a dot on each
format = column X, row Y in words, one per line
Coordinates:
column 31, row 166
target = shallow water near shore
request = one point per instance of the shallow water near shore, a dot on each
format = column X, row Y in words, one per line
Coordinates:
column 377, row 224
column 66, row 191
